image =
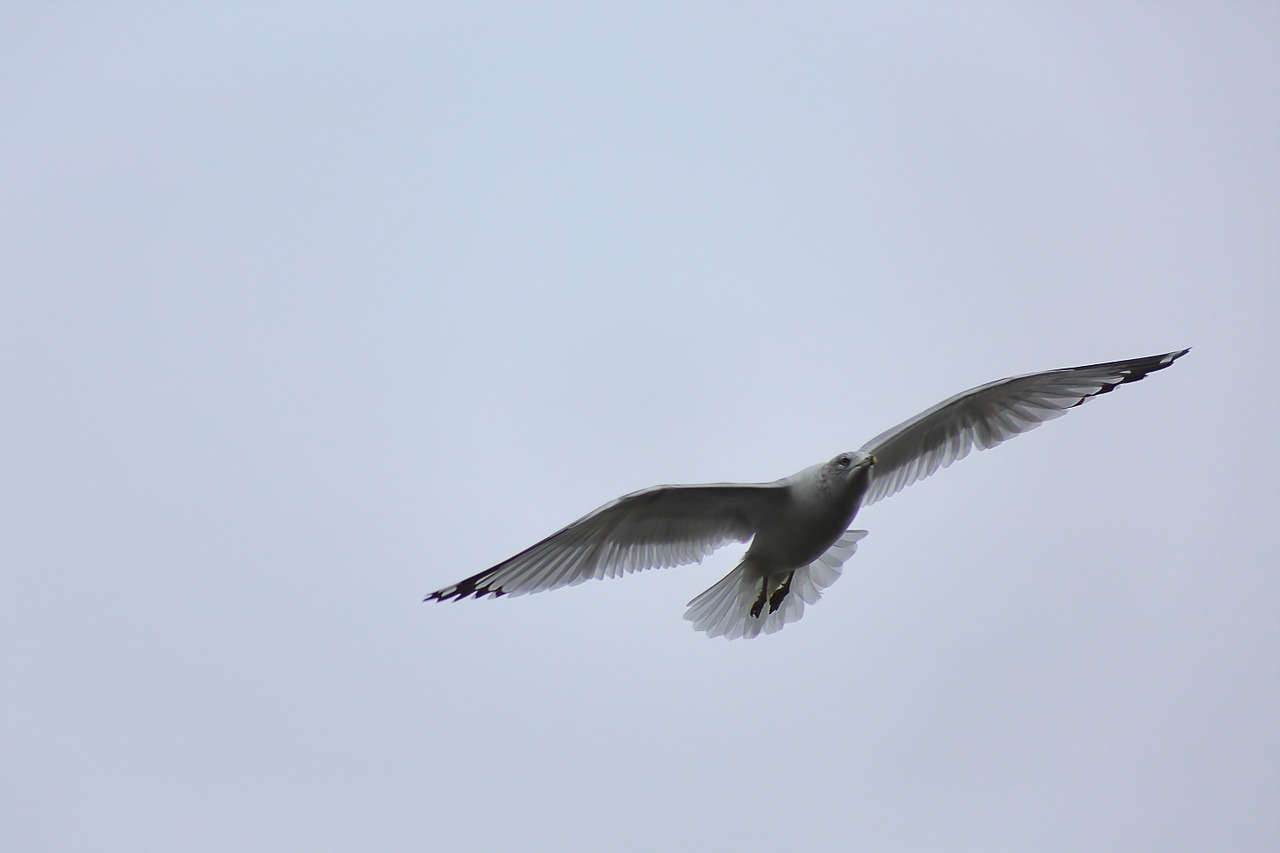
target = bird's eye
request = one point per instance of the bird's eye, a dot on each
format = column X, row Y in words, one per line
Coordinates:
column 844, row 461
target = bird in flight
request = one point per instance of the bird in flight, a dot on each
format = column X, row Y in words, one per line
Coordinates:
column 797, row 526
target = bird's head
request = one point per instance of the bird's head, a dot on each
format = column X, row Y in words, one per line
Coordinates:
column 847, row 474
column 849, row 465
column 852, row 459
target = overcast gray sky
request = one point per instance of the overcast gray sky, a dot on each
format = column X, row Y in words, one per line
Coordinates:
column 309, row 309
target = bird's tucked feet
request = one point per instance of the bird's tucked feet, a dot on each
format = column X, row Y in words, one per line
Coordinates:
column 780, row 594
column 758, row 606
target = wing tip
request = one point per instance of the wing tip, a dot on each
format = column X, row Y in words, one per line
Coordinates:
column 1140, row 368
column 470, row 588
column 1169, row 358
column 1132, row 370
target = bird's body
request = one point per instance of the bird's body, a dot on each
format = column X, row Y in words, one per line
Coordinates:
column 818, row 504
column 797, row 526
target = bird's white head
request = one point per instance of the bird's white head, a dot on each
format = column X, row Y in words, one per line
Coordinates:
column 852, row 460
column 849, row 466
column 847, row 474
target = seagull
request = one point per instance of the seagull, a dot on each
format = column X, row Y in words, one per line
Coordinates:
column 797, row 526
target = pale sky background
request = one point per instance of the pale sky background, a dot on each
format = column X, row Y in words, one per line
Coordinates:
column 309, row 309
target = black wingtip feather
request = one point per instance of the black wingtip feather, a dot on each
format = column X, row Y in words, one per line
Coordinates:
column 1133, row 370
column 472, row 587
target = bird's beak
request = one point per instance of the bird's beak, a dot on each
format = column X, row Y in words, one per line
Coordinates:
column 871, row 461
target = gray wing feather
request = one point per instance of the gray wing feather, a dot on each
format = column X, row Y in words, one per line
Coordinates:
column 654, row 528
column 988, row 415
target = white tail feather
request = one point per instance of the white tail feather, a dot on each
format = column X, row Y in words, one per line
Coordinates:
column 724, row 610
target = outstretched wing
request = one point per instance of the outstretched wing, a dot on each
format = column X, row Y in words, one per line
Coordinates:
column 987, row 415
column 650, row 529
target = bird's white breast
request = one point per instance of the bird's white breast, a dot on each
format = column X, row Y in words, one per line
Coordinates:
column 814, row 515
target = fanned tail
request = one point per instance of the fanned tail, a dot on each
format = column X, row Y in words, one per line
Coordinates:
column 737, row 607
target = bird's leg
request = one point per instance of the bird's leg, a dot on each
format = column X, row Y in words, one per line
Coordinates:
column 758, row 607
column 780, row 594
